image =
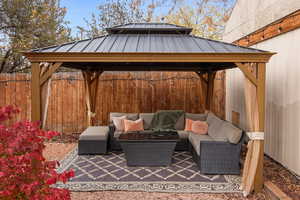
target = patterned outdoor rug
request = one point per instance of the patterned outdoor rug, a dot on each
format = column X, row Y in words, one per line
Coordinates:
column 110, row 172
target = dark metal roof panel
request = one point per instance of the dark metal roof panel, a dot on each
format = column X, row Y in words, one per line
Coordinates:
column 79, row 46
column 94, row 44
column 120, row 43
column 106, row 45
column 144, row 43
column 204, row 45
column 148, row 43
column 65, row 48
column 131, row 43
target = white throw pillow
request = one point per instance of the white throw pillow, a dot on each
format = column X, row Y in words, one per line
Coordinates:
column 119, row 123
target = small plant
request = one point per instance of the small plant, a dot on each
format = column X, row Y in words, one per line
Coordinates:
column 24, row 172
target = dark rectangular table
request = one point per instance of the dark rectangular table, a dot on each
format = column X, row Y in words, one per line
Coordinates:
column 148, row 149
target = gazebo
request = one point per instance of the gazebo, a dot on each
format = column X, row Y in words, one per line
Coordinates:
column 159, row 47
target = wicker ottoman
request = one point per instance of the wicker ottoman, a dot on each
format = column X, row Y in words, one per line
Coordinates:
column 93, row 140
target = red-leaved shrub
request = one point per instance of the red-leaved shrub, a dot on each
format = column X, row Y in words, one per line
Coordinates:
column 24, row 172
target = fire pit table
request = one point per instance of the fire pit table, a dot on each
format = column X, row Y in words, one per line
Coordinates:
column 149, row 148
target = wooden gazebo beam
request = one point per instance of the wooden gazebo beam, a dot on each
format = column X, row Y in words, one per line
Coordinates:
column 147, row 57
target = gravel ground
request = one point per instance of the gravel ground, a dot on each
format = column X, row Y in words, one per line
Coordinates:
column 273, row 171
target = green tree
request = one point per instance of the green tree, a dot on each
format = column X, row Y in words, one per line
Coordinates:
column 117, row 12
column 27, row 24
column 207, row 18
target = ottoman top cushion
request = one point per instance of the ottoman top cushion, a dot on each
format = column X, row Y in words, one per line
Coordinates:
column 95, row 133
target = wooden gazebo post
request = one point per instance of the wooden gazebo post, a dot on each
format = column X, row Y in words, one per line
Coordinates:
column 35, row 92
column 41, row 74
column 253, row 169
column 210, row 90
column 261, row 78
column 91, row 81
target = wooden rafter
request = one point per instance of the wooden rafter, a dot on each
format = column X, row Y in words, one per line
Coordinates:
column 47, row 74
column 202, row 76
column 244, row 68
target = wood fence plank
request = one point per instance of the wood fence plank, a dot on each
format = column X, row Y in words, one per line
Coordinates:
column 117, row 92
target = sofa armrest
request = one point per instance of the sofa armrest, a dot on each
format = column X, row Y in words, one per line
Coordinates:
column 220, row 150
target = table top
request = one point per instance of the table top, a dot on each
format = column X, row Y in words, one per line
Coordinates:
column 162, row 136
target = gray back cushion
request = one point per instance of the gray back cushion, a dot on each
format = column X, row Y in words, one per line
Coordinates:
column 215, row 128
column 147, row 119
column 180, row 123
column 130, row 116
column 232, row 133
column 194, row 117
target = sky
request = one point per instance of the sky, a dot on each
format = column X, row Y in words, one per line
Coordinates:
column 77, row 10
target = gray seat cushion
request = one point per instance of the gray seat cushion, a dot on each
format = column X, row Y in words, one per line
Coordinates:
column 130, row 116
column 215, row 128
column 194, row 117
column 195, row 140
column 183, row 134
column 147, row 119
column 232, row 133
column 95, row 133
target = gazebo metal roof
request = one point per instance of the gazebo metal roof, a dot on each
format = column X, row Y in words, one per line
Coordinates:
column 148, row 37
column 148, row 46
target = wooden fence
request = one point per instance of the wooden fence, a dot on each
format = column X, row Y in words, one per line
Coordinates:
column 118, row 92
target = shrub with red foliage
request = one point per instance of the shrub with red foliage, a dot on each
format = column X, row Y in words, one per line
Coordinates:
column 24, row 172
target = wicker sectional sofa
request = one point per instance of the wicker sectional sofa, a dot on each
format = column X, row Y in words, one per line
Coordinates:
column 218, row 152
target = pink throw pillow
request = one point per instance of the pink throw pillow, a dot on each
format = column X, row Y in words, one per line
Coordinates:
column 133, row 125
column 199, row 127
column 119, row 123
column 188, row 125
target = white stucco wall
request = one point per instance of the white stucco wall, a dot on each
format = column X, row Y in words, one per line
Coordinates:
column 282, row 129
column 251, row 15
column 282, row 132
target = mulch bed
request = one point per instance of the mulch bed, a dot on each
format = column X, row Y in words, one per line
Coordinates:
column 66, row 138
column 283, row 178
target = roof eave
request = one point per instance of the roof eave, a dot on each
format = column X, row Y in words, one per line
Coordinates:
column 147, row 57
